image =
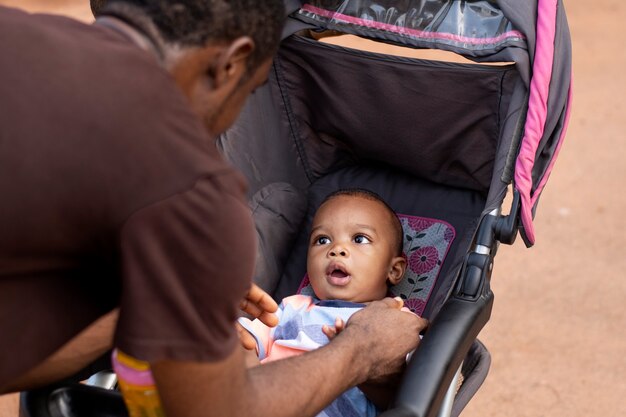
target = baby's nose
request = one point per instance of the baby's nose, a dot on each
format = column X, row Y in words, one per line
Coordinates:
column 338, row 252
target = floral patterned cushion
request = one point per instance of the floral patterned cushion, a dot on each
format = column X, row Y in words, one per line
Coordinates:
column 426, row 244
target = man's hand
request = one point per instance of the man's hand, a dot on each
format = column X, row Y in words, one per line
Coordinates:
column 385, row 332
column 245, row 338
column 258, row 304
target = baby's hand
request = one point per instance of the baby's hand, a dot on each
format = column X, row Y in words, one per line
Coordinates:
column 332, row 331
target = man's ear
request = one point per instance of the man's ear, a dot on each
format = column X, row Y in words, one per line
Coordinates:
column 231, row 64
column 396, row 270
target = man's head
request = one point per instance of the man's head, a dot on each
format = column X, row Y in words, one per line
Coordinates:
column 218, row 51
column 355, row 247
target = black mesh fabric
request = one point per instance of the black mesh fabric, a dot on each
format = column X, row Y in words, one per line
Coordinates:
column 437, row 120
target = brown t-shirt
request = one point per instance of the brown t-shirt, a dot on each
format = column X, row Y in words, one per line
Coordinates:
column 111, row 193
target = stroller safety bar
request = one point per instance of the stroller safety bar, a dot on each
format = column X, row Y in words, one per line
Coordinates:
column 446, row 407
column 506, row 227
column 439, row 355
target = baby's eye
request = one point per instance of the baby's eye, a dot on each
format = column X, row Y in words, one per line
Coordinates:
column 361, row 239
column 322, row 240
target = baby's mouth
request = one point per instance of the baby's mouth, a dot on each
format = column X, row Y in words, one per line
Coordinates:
column 338, row 276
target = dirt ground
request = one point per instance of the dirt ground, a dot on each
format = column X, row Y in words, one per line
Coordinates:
column 557, row 334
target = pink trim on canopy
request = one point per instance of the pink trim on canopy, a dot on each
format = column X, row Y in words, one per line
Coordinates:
column 546, row 175
column 537, row 114
column 412, row 32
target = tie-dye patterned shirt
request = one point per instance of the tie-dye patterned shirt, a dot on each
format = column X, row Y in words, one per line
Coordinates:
column 299, row 330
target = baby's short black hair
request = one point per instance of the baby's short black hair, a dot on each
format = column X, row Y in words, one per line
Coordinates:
column 370, row 195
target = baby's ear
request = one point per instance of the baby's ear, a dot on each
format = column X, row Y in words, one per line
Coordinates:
column 396, row 270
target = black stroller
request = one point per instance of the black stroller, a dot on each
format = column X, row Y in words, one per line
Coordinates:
column 441, row 141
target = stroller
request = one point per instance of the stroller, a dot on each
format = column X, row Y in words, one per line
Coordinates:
column 441, row 141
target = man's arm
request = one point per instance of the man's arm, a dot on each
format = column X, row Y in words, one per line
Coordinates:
column 75, row 355
column 381, row 394
column 373, row 346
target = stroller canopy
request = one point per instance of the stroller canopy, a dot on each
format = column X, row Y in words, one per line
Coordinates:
column 533, row 35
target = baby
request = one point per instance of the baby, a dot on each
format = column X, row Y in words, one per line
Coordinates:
column 354, row 255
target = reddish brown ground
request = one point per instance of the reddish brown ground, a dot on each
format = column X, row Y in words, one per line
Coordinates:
column 557, row 333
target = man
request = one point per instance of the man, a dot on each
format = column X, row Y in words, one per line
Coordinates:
column 113, row 194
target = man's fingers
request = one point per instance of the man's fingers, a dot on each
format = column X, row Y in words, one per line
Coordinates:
column 395, row 302
column 250, row 308
column 270, row 319
column 254, row 311
column 258, row 304
column 262, row 299
column 423, row 323
column 247, row 340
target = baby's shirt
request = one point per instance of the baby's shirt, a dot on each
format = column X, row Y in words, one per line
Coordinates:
column 299, row 329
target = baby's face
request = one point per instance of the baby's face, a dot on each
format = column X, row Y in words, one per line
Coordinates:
column 351, row 250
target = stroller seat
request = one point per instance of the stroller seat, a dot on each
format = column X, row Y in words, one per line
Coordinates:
column 440, row 220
